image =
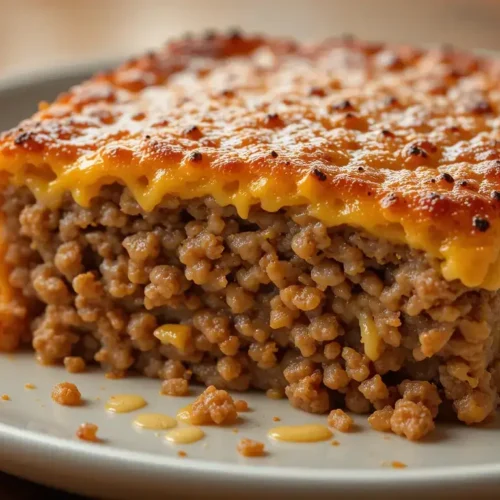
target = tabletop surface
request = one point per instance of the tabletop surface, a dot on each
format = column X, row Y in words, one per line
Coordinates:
column 12, row 488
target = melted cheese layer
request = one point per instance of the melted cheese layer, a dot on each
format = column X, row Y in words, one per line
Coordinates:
column 474, row 266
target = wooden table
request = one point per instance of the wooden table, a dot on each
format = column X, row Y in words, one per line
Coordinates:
column 12, row 488
column 35, row 34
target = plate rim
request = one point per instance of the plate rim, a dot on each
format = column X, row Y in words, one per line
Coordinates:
column 343, row 477
column 385, row 479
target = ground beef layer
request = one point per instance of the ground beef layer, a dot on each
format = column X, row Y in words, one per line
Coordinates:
column 329, row 317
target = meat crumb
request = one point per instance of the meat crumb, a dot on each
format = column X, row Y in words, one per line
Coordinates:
column 340, row 420
column 213, row 406
column 380, row 420
column 5, row 397
column 74, row 364
column 175, row 387
column 29, row 386
column 181, row 454
column 334, row 443
column 66, row 394
column 250, row 448
column 88, row 432
column 276, row 419
column 241, row 405
column 412, row 420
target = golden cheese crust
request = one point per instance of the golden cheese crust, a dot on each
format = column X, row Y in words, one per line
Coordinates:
column 400, row 141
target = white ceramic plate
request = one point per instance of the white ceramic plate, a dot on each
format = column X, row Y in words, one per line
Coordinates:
column 37, row 436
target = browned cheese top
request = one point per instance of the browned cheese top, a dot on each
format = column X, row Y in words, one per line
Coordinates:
column 399, row 141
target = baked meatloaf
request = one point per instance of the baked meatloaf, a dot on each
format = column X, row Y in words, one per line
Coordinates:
column 318, row 220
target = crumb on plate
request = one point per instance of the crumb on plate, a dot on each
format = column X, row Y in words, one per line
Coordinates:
column 380, row 420
column 250, row 448
column 241, row 405
column 88, row 432
column 181, row 454
column 29, row 386
column 5, row 397
column 398, row 465
column 340, row 420
column 66, row 394
column 213, row 406
column 411, row 420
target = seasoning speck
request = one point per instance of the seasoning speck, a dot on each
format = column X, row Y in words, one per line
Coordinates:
column 234, row 34
column 21, row 138
column 416, row 151
column 481, row 107
column 481, row 224
column 317, row 91
column 391, row 101
column 343, row 106
column 193, row 132
column 321, row 176
column 447, row 177
column 195, row 156
column 274, row 154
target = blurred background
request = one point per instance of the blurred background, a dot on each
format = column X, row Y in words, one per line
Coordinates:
column 43, row 33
